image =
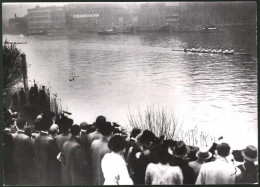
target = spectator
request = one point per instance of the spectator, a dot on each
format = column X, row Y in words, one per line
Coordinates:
column 203, row 155
column 248, row 170
column 91, row 129
column 98, row 149
column 8, row 162
column 23, row 155
column 220, row 171
column 100, row 122
column 44, row 147
column 66, row 123
column 140, row 156
column 77, row 167
column 56, row 172
column 83, row 134
column 133, row 139
column 15, row 99
column 53, row 131
column 180, row 153
column 22, row 96
column 84, row 140
column 113, row 164
column 162, row 172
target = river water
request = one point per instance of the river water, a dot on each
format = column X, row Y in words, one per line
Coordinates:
column 117, row 73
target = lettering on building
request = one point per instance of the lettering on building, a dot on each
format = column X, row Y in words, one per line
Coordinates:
column 85, row 15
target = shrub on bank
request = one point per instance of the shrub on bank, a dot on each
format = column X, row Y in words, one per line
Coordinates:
column 162, row 121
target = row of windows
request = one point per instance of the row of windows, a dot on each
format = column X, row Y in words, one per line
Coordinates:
column 46, row 22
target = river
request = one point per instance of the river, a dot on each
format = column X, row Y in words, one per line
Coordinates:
column 117, row 73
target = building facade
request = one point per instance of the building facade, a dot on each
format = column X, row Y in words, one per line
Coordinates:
column 218, row 13
column 177, row 15
column 46, row 19
column 17, row 25
column 152, row 14
column 96, row 17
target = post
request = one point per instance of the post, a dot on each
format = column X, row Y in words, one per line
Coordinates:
column 25, row 77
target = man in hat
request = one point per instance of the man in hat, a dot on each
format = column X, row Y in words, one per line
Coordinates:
column 77, row 167
column 100, row 123
column 180, row 152
column 84, row 139
column 23, row 155
column 66, row 123
column 203, row 155
column 44, row 148
column 249, row 171
column 133, row 139
column 53, row 131
column 8, row 162
column 140, row 156
column 83, row 134
column 220, row 171
column 98, row 149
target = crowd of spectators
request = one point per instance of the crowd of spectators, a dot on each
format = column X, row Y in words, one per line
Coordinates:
column 59, row 152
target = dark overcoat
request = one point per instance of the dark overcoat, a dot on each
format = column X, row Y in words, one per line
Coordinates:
column 45, row 153
column 77, row 167
column 23, row 158
column 61, row 139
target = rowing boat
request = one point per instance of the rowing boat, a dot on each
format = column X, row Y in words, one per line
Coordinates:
column 15, row 42
column 182, row 50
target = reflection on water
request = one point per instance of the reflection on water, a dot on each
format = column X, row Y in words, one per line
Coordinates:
column 120, row 72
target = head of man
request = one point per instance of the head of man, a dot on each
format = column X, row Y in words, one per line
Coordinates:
column 223, row 149
column 181, row 150
column 54, row 130
column 84, row 126
column 100, row 122
column 117, row 144
column 66, row 124
column 45, row 124
column 250, row 153
column 107, row 129
column 135, row 132
column 75, row 130
column 147, row 138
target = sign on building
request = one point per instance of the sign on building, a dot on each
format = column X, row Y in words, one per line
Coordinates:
column 85, row 15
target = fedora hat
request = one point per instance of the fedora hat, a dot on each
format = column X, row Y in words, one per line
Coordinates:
column 203, row 154
column 250, row 153
column 180, row 149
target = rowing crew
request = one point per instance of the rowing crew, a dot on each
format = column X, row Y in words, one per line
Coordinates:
column 199, row 50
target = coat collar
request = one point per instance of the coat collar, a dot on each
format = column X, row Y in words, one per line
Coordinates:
column 105, row 139
column 75, row 139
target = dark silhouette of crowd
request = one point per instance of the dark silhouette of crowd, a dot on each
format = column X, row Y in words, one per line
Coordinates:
column 59, row 152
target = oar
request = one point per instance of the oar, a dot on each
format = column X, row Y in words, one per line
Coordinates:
column 211, row 53
column 242, row 54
